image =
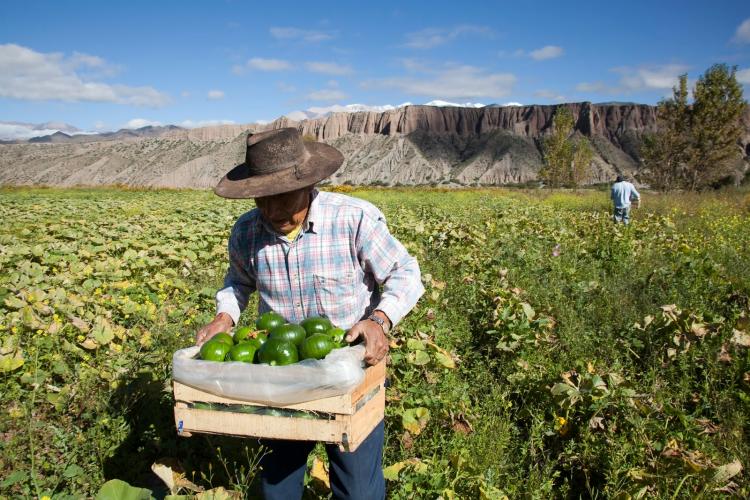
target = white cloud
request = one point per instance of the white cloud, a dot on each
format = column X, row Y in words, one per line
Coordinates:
column 595, row 87
column 140, row 123
column 185, row 94
column 215, row 95
column 298, row 116
column 318, row 111
column 433, row 37
column 204, row 123
column 547, row 52
column 300, row 34
column 642, row 78
column 285, row 87
column 268, row 64
column 742, row 35
column 329, row 68
column 549, row 94
column 442, row 104
column 451, row 82
column 512, row 103
column 326, row 95
column 743, row 76
column 13, row 131
column 29, row 75
column 23, row 131
column 650, row 77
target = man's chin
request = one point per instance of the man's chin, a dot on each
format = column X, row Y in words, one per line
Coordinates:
column 283, row 228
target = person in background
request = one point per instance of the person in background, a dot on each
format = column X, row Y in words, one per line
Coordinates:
column 623, row 193
column 312, row 253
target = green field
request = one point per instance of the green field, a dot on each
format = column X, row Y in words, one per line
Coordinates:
column 553, row 354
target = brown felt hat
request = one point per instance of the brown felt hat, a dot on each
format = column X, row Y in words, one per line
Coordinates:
column 279, row 161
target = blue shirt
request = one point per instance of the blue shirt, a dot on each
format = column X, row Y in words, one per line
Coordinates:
column 622, row 193
column 334, row 267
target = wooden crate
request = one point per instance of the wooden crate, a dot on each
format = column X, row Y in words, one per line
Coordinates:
column 347, row 419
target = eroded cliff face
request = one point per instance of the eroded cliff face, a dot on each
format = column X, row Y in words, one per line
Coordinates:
column 410, row 145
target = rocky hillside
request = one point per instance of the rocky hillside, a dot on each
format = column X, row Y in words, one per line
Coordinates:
column 412, row 145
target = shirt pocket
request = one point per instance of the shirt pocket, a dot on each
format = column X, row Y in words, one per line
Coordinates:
column 336, row 298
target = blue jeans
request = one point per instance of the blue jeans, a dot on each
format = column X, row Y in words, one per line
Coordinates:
column 355, row 475
column 622, row 215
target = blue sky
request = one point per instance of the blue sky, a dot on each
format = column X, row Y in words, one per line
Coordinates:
column 105, row 65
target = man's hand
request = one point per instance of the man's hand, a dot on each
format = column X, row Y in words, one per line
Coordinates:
column 376, row 343
column 221, row 323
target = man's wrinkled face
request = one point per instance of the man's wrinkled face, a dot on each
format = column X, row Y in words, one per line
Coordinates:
column 285, row 211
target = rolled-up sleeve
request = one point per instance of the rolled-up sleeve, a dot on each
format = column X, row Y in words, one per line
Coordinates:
column 392, row 267
column 239, row 282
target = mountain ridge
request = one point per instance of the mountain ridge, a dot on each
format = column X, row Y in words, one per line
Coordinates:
column 411, row 145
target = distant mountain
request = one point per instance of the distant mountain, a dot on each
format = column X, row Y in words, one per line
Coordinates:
column 55, row 138
column 14, row 131
column 409, row 145
column 147, row 131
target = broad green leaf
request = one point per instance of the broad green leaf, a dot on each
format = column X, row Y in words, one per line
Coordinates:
column 14, row 302
column 528, row 311
column 414, row 420
column 391, row 472
column 73, row 470
column 29, row 318
column 218, row 494
column 115, row 489
column 13, row 478
column 419, row 358
column 489, row 492
column 442, row 356
column 415, row 345
column 445, row 360
column 561, row 389
column 102, row 332
column 9, row 363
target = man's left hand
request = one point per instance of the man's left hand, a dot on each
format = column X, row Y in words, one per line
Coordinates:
column 376, row 343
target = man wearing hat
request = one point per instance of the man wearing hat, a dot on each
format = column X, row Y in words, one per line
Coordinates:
column 622, row 193
column 311, row 253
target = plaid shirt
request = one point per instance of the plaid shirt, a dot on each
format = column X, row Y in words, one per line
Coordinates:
column 333, row 268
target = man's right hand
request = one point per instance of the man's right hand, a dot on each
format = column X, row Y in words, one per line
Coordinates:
column 221, row 323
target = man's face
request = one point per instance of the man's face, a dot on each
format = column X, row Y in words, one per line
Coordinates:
column 285, row 211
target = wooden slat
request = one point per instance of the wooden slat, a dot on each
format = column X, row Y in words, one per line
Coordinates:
column 363, row 422
column 374, row 375
column 336, row 404
column 242, row 424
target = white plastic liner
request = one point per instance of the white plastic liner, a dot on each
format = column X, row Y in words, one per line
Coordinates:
column 338, row 373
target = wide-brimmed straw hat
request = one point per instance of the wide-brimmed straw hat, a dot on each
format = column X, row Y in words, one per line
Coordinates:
column 279, row 161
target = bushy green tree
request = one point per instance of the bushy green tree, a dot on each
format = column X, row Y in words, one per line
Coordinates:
column 696, row 145
column 665, row 153
column 716, row 126
column 567, row 160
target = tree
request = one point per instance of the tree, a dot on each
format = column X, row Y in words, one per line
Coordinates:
column 696, row 146
column 664, row 154
column 716, row 126
column 567, row 161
